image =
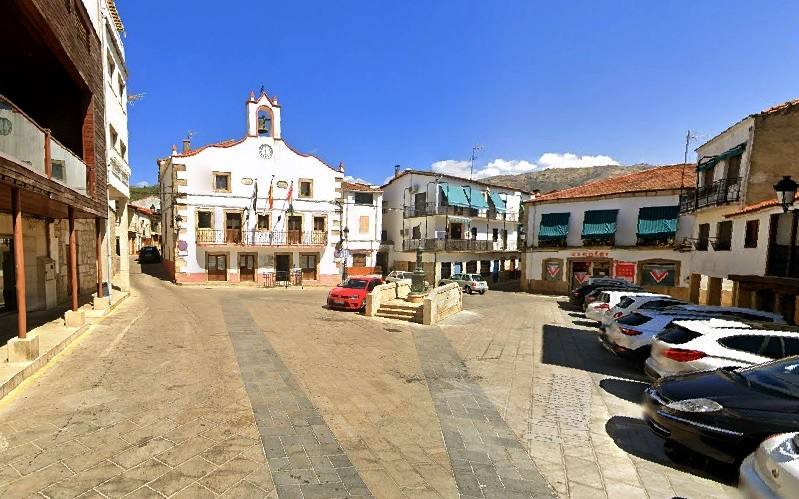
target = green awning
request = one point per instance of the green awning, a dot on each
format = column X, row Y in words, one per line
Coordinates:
column 476, row 199
column 455, row 196
column 658, row 220
column 498, row 202
column 710, row 162
column 599, row 224
column 553, row 226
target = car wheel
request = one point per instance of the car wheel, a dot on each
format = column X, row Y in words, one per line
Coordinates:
column 482, row 292
column 468, row 289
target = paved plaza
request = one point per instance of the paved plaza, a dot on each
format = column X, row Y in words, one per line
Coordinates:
column 247, row 392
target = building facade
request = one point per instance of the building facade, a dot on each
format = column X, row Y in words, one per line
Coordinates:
column 626, row 227
column 736, row 170
column 460, row 225
column 144, row 228
column 53, row 187
column 363, row 223
column 249, row 209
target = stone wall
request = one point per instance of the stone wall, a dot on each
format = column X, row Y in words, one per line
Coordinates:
column 383, row 293
column 441, row 303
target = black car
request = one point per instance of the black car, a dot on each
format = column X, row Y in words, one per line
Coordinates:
column 149, row 254
column 726, row 413
column 578, row 294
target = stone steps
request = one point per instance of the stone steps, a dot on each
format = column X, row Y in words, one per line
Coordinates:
column 401, row 316
column 401, row 310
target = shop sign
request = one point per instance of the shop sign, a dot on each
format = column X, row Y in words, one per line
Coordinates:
column 624, row 270
column 590, row 254
column 553, row 270
column 663, row 274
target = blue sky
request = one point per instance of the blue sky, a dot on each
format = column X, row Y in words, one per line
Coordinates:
column 417, row 83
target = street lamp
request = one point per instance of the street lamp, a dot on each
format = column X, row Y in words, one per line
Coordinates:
column 345, row 232
column 786, row 192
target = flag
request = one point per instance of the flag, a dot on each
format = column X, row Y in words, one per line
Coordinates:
column 271, row 186
column 255, row 197
column 291, row 191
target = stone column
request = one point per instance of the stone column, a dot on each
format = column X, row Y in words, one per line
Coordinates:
column 98, row 251
column 73, row 260
column 19, row 264
column 123, row 279
column 694, row 286
column 714, row 290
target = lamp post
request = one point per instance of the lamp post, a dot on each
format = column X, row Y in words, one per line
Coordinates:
column 345, row 233
column 786, row 194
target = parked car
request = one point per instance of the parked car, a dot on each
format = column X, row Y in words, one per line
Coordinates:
column 632, row 335
column 578, row 294
column 468, row 282
column 738, row 312
column 688, row 346
column 149, row 254
column 772, row 471
column 725, row 413
column 402, row 275
column 597, row 292
column 608, row 299
column 633, row 303
column 351, row 294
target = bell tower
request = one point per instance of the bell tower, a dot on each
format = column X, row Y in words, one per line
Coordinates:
column 263, row 116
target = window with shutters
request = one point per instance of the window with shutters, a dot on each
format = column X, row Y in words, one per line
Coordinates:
column 363, row 225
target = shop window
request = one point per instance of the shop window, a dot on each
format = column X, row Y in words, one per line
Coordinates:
column 221, row 182
column 752, row 228
column 365, row 198
column 471, row 267
column 704, row 237
column 723, row 240
column 306, row 188
column 263, row 222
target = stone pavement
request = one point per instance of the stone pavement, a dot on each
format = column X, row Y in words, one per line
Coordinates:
column 194, row 392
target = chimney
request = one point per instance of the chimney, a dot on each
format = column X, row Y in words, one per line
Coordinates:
column 396, row 171
column 186, row 145
column 536, row 192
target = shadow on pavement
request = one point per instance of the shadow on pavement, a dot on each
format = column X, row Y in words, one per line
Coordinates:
column 586, row 323
column 154, row 269
column 35, row 318
column 634, row 437
column 631, row 391
column 580, row 349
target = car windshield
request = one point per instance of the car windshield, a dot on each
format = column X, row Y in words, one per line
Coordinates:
column 625, row 302
column 354, row 284
column 781, row 377
column 476, row 277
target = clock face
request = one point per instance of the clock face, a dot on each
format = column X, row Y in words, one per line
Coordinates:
column 265, row 151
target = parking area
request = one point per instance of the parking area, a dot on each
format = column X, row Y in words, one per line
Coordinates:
column 513, row 397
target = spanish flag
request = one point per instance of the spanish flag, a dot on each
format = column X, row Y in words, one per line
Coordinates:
column 271, row 199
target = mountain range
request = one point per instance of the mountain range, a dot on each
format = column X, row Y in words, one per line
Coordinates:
column 555, row 179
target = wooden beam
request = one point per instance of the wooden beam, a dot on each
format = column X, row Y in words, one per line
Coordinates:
column 98, row 248
column 73, row 260
column 19, row 265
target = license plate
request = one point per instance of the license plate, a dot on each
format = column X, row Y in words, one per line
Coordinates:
column 336, row 302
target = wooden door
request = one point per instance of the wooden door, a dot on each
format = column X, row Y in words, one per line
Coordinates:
column 217, row 267
column 295, row 229
column 359, row 259
column 282, row 263
column 233, row 228
column 247, row 267
column 308, row 264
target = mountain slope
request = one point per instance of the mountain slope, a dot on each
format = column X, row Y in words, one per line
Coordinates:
column 554, row 179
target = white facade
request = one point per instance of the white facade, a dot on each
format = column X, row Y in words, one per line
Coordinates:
column 454, row 239
column 626, row 258
column 225, row 230
column 363, row 217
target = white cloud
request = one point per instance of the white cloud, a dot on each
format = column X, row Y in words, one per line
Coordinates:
column 143, row 183
column 357, row 180
column 501, row 166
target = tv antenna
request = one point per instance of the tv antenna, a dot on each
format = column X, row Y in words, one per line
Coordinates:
column 475, row 149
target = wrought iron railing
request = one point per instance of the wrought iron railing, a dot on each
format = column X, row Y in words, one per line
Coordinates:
column 429, row 209
column 261, row 238
column 457, row 245
column 726, row 190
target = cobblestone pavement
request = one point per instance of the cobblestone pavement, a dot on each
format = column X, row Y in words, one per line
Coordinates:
column 195, row 392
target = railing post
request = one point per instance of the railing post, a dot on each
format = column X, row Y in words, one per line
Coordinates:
column 48, row 163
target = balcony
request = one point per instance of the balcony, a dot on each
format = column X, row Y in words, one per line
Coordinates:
column 260, row 238
column 470, row 245
column 32, row 146
column 726, row 190
column 429, row 209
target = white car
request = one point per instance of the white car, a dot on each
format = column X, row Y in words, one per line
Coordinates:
column 630, row 304
column 607, row 300
column 632, row 335
column 690, row 346
column 738, row 312
column 772, row 471
column 398, row 275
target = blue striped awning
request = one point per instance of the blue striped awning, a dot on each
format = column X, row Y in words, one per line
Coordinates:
column 455, row 196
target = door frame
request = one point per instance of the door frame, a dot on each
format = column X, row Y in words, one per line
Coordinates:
column 254, row 266
column 227, row 265
column 316, row 267
column 240, row 213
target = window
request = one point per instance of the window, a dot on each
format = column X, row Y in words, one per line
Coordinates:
column 733, row 167
column 306, row 188
column 221, row 182
column 416, row 233
column 204, row 220
column 363, row 198
column 474, row 232
column 704, row 236
column 121, row 87
column 745, row 343
column 752, row 228
column 707, row 177
column 723, row 236
column 263, row 222
column 319, row 223
column 112, row 136
column 495, row 235
column 58, row 169
column 123, row 149
column 111, row 65
column 363, row 225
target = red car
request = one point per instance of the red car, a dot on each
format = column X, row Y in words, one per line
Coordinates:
column 351, row 294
